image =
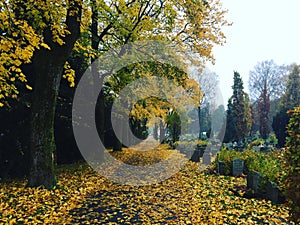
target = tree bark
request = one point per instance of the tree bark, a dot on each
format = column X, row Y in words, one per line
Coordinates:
column 47, row 67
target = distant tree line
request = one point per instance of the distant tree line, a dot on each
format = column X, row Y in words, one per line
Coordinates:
column 273, row 91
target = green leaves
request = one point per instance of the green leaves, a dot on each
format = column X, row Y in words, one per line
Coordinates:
column 292, row 166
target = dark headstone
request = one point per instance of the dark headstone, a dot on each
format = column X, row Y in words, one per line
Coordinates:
column 196, row 156
column 272, row 192
column 221, row 168
column 254, row 181
column 237, row 167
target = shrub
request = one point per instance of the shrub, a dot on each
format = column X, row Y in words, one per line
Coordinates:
column 267, row 163
column 292, row 166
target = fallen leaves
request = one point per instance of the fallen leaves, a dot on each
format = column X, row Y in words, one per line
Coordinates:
column 188, row 197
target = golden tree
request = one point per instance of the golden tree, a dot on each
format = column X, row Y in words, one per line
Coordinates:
column 37, row 38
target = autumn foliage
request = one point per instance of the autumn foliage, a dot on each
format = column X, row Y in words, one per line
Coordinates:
column 292, row 166
column 84, row 197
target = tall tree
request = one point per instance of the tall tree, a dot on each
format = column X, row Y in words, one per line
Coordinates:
column 37, row 38
column 53, row 35
column 270, row 73
column 291, row 97
column 263, row 110
column 289, row 100
column 238, row 112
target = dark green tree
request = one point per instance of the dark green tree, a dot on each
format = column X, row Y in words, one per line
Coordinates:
column 174, row 125
column 289, row 100
column 230, row 123
column 238, row 112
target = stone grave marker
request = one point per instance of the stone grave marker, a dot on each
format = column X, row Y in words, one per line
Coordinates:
column 237, row 167
column 272, row 192
column 221, row 168
column 214, row 151
column 254, row 181
column 206, row 159
column 196, row 156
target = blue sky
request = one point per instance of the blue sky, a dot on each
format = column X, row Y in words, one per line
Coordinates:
column 261, row 30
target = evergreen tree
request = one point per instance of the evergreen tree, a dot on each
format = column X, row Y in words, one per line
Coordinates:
column 230, row 123
column 238, row 113
column 289, row 100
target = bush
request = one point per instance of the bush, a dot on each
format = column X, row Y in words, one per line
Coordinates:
column 267, row 163
column 292, row 166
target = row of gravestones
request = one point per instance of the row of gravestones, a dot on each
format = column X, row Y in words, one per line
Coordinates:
column 241, row 147
column 254, row 181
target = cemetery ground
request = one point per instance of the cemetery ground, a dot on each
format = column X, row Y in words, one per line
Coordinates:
column 190, row 196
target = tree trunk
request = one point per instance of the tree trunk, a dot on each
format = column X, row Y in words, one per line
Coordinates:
column 47, row 67
column 42, row 143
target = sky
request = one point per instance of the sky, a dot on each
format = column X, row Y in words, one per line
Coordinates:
column 261, row 30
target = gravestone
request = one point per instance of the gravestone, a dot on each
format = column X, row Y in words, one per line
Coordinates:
column 254, row 181
column 206, row 159
column 214, row 150
column 221, row 168
column 196, row 156
column 272, row 192
column 237, row 167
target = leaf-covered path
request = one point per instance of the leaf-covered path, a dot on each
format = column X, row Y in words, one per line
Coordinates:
column 188, row 197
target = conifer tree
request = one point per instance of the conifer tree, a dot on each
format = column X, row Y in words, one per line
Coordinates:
column 238, row 113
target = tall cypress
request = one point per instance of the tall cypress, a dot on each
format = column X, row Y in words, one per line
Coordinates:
column 238, row 112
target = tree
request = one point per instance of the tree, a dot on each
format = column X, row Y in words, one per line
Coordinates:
column 289, row 100
column 238, row 112
column 291, row 97
column 270, row 73
column 43, row 44
column 37, row 38
column 209, row 82
column 264, row 109
column 230, row 131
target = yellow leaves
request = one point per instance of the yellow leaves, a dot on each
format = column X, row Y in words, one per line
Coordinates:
column 69, row 74
column 188, row 197
column 6, row 45
column 45, row 46
column 28, row 87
